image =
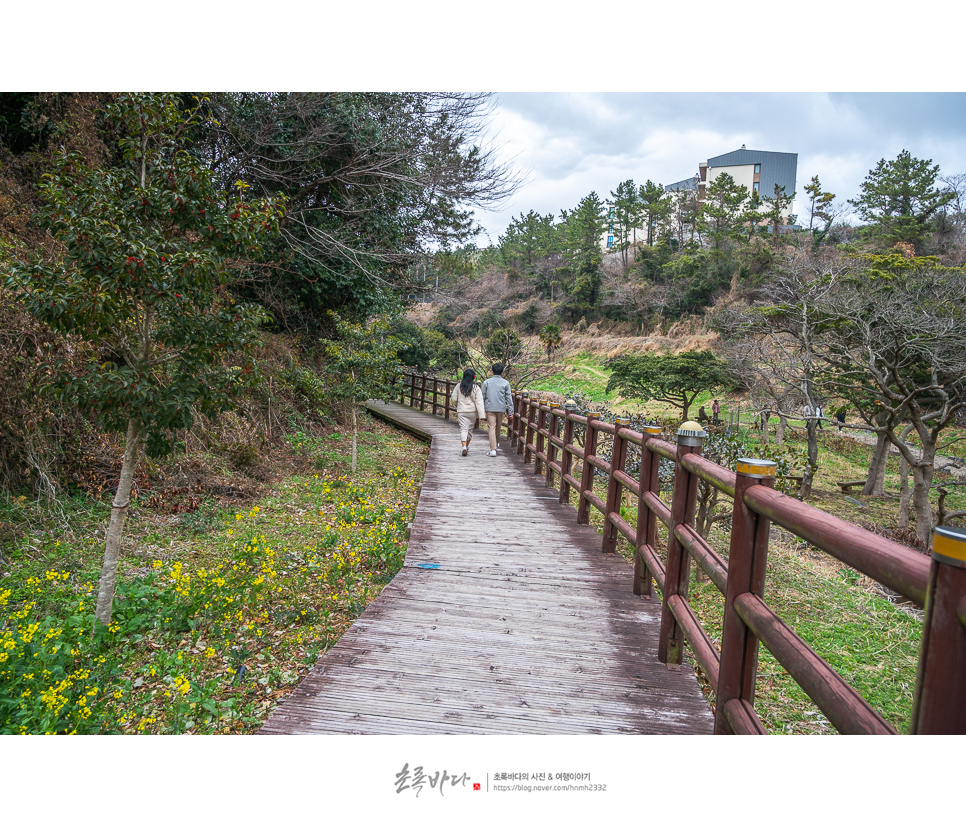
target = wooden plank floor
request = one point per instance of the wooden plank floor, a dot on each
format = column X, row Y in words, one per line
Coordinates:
column 505, row 619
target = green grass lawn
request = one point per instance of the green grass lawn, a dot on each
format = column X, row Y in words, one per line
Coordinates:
column 872, row 642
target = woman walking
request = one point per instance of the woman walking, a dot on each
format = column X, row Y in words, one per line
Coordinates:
column 468, row 400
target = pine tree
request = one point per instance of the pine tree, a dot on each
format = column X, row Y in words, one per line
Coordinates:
column 900, row 197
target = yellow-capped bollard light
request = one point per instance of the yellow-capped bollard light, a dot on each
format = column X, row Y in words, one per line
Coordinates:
column 755, row 468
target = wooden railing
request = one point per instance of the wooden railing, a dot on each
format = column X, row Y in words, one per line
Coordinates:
column 544, row 434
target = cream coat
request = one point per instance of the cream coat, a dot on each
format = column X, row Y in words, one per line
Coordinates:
column 474, row 402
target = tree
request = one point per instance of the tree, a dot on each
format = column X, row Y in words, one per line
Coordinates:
column 656, row 208
column 624, row 219
column 900, row 197
column 528, row 239
column 726, row 208
column 374, row 180
column 361, row 365
column 523, row 363
column 776, row 209
column 675, row 379
column 785, row 335
column 904, row 356
column 505, row 347
column 550, row 339
column 950, row 222
column 582, row 230
column 144, row 248
column 820, row 207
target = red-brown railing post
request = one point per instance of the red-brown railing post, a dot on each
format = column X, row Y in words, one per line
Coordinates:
column 449, row 393
column 531, row 408
column 512, row 421
column 738, row 667
column 435, row 394
column 566, row 457
column 678, row 559
column 587, row 470
column 541, row 437
column 521, row 423
column 940, row 701
column 615, row 489
column 646, row 520
column 553, row 421
column 412, row 389
column 422, row 393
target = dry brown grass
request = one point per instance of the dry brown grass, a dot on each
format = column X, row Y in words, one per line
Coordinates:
column 608, row 344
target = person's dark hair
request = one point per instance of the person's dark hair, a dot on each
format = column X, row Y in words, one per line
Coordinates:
column 498, row 368
column 466, row 384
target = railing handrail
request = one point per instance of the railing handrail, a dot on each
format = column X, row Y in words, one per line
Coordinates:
column 538, row 432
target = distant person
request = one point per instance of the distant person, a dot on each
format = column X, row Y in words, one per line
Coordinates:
column 820, row 413
column 703, row 418
column 840, row 417
column 468, row 401
column 765, row 416
column 498, row 400
column 716, row 411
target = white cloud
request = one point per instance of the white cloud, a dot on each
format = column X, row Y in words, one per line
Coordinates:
column 572, row 144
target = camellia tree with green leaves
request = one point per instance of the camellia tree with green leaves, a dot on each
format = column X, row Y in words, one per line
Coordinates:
column 677, row 379
column 143, row 254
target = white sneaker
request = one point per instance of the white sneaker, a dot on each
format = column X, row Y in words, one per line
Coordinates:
column 492, row 453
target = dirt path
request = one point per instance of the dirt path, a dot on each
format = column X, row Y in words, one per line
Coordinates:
column 953, row 465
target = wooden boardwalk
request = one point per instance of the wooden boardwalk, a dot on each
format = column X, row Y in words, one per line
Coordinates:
column 505, row 619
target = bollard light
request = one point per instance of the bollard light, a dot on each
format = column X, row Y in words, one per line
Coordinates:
column 570, row 405
column 755, row 468
column 949, row 546
column 691, row 434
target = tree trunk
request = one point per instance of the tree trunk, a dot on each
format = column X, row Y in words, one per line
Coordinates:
column 875, row 477
column 119, row 507
column 809, row 473
column 922, row 481
column 905, row 494
column 355, row 434
column 780, row 431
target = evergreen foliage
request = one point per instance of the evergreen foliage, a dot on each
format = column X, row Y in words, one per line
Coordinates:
column 900, row 198
column 674, row 379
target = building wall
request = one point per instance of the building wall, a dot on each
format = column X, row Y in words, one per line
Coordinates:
column 741, row 174
column 774, row 168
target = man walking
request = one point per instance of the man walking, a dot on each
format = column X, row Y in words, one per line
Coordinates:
column 497, row 400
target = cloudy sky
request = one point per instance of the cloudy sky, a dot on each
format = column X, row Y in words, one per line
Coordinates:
column 569, row 144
